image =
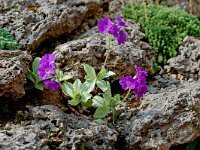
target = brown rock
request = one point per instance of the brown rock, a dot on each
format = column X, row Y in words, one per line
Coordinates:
column 13, row 70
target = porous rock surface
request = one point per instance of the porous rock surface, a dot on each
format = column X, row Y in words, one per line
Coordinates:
column 13, row 70
column 187, row 63
column 33, row 22
column 162, row 120
column 90, row 50
column 78, row 132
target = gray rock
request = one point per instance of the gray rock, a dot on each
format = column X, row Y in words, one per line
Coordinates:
column 33, row 22
column 13, row 70
column 78, row 132
column 162, row 120
column 91, row 50
column 187, row 64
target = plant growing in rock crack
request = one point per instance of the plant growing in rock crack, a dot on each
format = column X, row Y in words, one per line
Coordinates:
column 45, row 73
column 164, row 28
column 54, row 134
column 7, row 41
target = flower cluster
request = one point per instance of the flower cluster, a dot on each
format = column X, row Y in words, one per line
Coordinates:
column 137, row 83
column 107, row 26
column 46, row 70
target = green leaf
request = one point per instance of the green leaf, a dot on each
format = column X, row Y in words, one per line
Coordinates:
column 110, row 73
column 91, row 74
column 54, row 139
column 54, row 129
column 98, row 101
column 30, row 76
column 114, row 114
column 101, row 112
column 115, row 100
column 66, row 77
column 39, row 86
column 102, row 85
column 35, row 65
column 74, row 101
column 87, row 104
column 88, row 86
column 102, row 74
column 100, row 121
column 77, row 86
column 108, row 91
column 85, row 97
column 59, row 74
column 67, row 89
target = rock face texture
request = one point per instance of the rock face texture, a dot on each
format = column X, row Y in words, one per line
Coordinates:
column 13, row 70
column 33, row 22
column 187, row 64
column 78, row 133
column 162, row 120
column 90, row 50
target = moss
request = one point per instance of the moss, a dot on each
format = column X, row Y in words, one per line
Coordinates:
column 164, row 27
column 7, row 42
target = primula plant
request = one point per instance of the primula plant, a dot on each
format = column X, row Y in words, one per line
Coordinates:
column 95, row 90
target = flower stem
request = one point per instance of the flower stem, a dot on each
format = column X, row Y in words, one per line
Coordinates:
column 191, row 9
column 127, row 95
column 107, row 51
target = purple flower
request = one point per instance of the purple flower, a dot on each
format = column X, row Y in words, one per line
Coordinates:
column 127, row 82
column 141, row 75
column 114, row 30
column 46, row 66
column 140, row 90
column 138, row 83
column 52, row 84
column 120, row 22
column 121, row 38
column 120, row 35
column 105, row 25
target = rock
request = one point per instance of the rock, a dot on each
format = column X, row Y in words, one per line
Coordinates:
column 13, row 70
column 77, row 132
column 187, row 64
column 162, row 120
column 33, row 22
column 90, row 50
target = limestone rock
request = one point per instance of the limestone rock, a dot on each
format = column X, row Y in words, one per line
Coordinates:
column 13, row 70
column 162, row 120
column 90, row 50
column 33, row 22
column 187, row 63
column 78, row 132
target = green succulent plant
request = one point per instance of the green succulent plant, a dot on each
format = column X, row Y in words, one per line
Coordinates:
column 7, row 41
column 164, row 27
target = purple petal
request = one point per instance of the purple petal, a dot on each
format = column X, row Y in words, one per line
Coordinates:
column 104, row 25
column 52, row 84
column 114, row 30
column 140, row 91
column 120, row 22
column 127, row 82
column 122, row 37
column 46, row 66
